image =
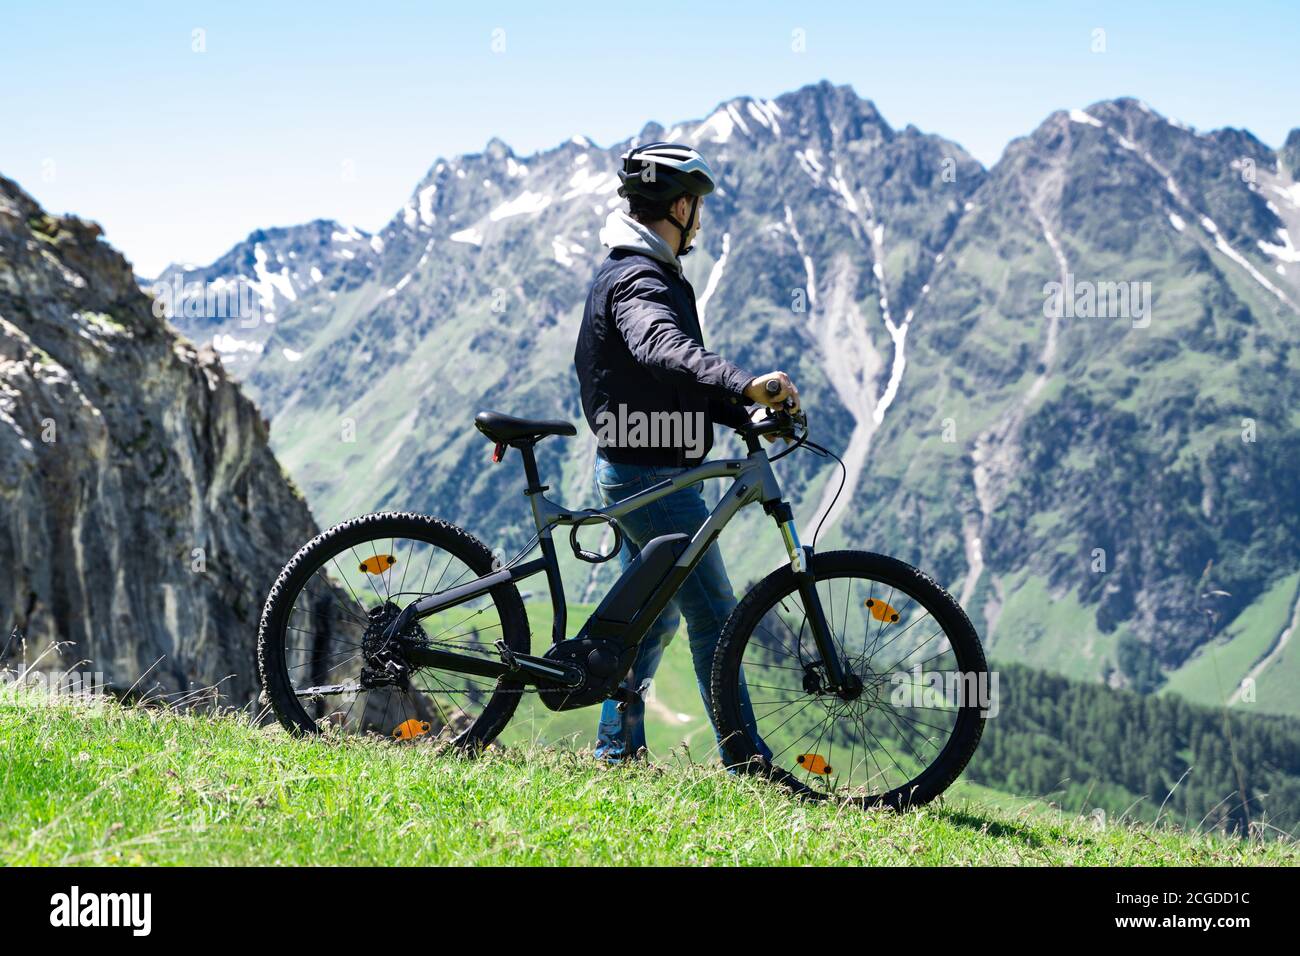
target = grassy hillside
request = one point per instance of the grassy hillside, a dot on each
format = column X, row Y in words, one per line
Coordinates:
column 99, row 784
column 1250, row 647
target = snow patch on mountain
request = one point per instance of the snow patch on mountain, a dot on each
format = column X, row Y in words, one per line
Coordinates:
column 803, row 254
column 561, row 251
column 470, row 236
column 1291, row 193
column 565, row 249
column 586, row 183
column 720, row 125
column 425, row 198
column 808, row 162
column 837, row 183
column 767, row 112
column 1286, row 251
column 229, row 345
column 526, row 203
column 715, row 276
column 266, row 283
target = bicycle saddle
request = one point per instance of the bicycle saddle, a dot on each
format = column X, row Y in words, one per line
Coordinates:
column 506, row 430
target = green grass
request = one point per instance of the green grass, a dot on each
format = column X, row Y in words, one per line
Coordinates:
column 95, row 783
column 1054, row 632
column 1214, row 672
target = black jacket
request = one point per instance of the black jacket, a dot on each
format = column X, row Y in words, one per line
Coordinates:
column 640, row 349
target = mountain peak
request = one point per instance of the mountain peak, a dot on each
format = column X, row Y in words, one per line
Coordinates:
column 831, row 97
column 1290, row 153
column 497, row 149
column 651, row 132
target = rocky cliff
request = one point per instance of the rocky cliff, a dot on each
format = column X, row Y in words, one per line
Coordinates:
column 143, row 516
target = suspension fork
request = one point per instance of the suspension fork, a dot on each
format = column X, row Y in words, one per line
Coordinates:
column 801, row 564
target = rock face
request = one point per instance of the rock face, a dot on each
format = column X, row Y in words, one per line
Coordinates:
column 1071, row 478
column 143, row 516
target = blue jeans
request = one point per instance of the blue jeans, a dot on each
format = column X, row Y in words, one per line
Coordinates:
column 705, row 599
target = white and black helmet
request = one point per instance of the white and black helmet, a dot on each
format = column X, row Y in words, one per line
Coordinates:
column 661, row 172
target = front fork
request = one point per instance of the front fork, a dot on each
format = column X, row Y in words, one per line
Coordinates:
column 801, row 565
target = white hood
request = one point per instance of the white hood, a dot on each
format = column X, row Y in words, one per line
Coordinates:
column 621, row 231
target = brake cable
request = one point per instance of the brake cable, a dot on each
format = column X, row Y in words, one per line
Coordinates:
column 791, row 446
column 803, row 441
column 822, row 452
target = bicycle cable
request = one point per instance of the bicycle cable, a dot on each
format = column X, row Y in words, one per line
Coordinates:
column 532, row 543
column 537, row 537
column 792, row 446
column 822, row 452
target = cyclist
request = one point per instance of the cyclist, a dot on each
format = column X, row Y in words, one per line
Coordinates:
column 651, row 392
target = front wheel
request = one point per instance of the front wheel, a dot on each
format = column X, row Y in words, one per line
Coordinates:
column 908, row 716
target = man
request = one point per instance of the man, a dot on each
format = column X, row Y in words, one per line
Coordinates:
column 641, row 359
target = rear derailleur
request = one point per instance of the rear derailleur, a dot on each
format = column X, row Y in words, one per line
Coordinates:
column 385, row 665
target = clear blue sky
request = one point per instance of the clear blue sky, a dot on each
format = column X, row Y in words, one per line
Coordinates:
column 300, row 111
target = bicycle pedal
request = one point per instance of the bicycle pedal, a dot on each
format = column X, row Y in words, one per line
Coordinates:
column 624, row 697
column 507, row 655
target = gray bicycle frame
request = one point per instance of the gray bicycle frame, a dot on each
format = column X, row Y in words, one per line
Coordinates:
column 752, row 481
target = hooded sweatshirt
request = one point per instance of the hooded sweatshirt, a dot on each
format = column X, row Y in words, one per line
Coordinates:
column 640, row 354
column 621, row 231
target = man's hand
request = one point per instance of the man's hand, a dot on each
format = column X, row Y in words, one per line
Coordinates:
column 756, row 390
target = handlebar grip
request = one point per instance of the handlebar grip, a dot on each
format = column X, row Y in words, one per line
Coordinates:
column 773, row 388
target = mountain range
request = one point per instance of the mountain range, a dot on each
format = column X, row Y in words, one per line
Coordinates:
column 1066, row 384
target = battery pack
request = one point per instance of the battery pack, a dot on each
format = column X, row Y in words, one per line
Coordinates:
column 642, row 578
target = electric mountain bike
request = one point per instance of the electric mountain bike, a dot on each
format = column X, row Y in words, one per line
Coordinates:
column 844, row 674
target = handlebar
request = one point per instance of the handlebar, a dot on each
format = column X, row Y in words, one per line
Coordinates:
column 783, row 422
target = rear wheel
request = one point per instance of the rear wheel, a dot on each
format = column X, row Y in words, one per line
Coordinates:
column 322, row 653
column 910, row 713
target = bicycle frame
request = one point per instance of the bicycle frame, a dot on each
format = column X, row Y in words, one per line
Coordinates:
column 753, row 481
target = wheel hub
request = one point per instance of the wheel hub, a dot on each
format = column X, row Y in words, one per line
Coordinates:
column 385, row 664
column 851, row 689
column 816, row 685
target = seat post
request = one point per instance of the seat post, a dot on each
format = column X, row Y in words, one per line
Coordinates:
column 530, row 468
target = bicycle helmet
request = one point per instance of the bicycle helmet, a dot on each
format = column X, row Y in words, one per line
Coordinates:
column 663, row 173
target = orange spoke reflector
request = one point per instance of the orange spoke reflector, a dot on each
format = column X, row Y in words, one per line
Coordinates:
column 814, row 763
column 378, row 564
column 410, row 729
column 881, row 611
